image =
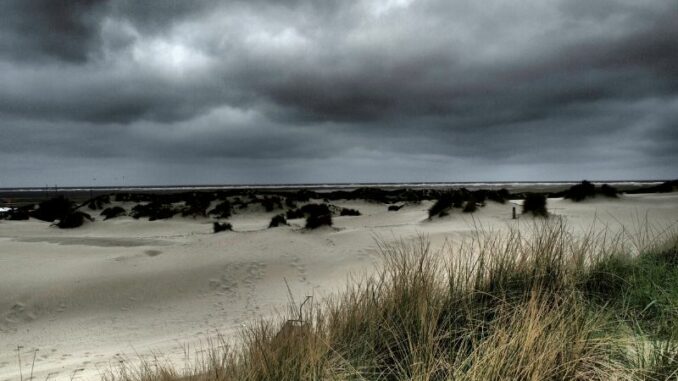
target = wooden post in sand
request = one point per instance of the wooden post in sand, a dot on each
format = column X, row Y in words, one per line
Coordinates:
column 514, row 212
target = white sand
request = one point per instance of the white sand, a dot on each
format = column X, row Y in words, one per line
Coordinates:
column 84, row 297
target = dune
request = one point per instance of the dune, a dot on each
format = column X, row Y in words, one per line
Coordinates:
column 81, row 300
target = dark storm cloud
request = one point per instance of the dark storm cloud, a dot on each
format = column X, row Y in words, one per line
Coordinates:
column 444, row 89
column 40, row 29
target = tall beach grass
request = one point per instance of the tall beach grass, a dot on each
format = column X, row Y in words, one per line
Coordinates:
column 535, row 303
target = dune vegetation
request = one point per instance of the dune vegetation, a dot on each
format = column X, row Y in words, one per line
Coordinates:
column 537, row 303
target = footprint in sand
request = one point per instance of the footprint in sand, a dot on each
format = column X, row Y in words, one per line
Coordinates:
column 18, row 313
column 236, row 275
column 300, row 268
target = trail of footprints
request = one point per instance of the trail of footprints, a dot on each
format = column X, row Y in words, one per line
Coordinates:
column 238, row 281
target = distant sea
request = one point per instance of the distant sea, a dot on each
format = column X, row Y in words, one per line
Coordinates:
column 331, row 186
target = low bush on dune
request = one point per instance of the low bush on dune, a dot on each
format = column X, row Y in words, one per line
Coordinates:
column 294, row 213
column 349, row 212
column 17, row 214
column 222, row 210
column 314, row 221
column 458, row 199
column 277, row 220
column 394, row 208
column 196, row 206
column 316, row 209
column 73, row 220
column 271, row 203
column 309, row 210
column 113, row 212
column 581, row 191
column 316, row 215
column 521, row 305
column 470, row 206
column 587, row 189
column 97, row 203
column 290, row 203
column 53, row 209
column 222, row 227
column 154, row 211
column 665, row 187
column 441, row 206
column 535, row 203
column 608, row 191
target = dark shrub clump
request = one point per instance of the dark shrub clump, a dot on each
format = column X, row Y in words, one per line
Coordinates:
column 608, row 191
column 318, row 215
column 271, row 203
column 53, row 209
column 73, row 220
column 196, row 205
column 222, row 210
column 441, row 206
column 277, row 220
column 581, row 191
column 112, row 212
column 316, row 209
column 290, row 203
column 222, row 227
column 394, row 208
column 98, row 203
column 317, row 220
column 154, row 211
column 294, row 213
column 470, row 206
column 535, row 203
column 349, row 212
column 18, row 214
column 587, row 189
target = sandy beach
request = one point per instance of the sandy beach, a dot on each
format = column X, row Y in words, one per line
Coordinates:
column 121, row 289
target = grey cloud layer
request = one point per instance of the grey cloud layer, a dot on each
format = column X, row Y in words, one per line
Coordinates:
column 537, row 84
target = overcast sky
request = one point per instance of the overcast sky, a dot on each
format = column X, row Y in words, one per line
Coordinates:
column 289, row 91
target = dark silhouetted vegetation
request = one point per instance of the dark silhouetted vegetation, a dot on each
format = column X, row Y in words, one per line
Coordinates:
column 314, row 221
column 294, row 213
column 222, row 210
column 586, row 190
column 349, row 212
column 665, row 187
column 113, row 212
column 222, row 227
column 442, row 205
column 394, row 208
column 73, row 220
column 581, row 191
column 535, row 203
column 17, row 214
column 271, row 203
column 608, row 191
column 315, row 209
column 290, row 203
column 196, row 205
column 98, row 203
column 53, row 209
column 154, row 211
column 277, row 220
column 470, row 206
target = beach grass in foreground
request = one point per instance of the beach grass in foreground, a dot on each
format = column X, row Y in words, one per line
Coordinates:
column 531, row 304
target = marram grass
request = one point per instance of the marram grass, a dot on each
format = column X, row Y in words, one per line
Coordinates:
column 528, row 304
